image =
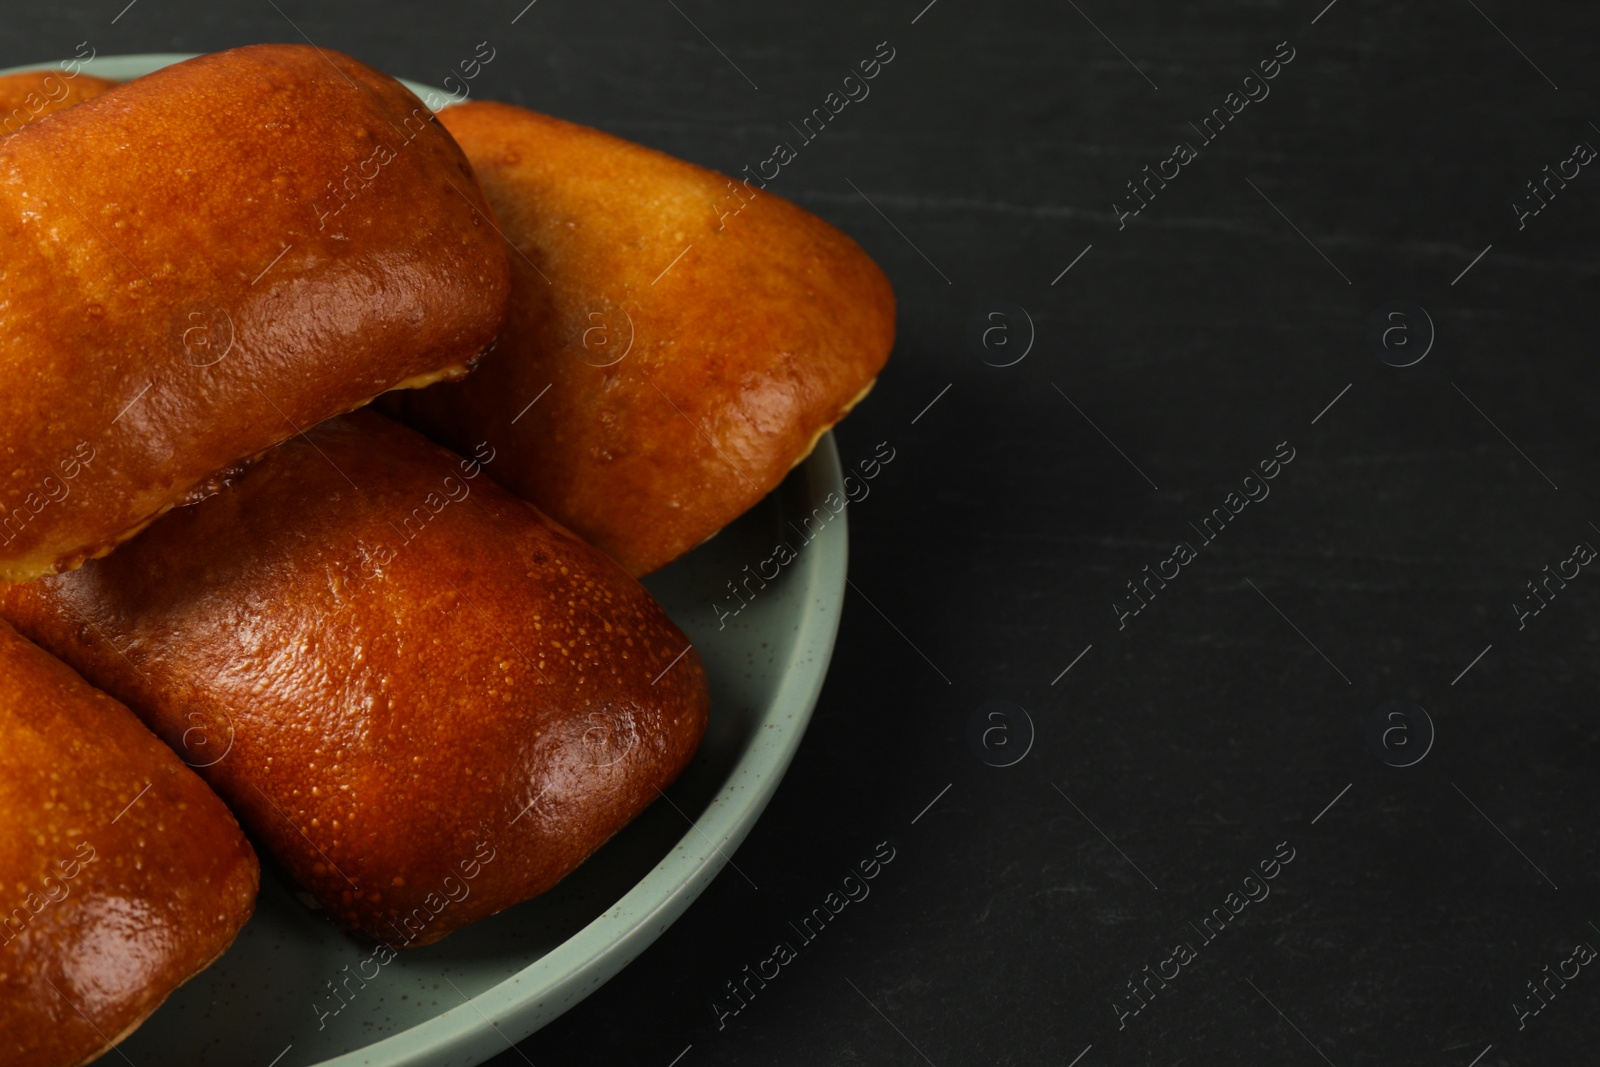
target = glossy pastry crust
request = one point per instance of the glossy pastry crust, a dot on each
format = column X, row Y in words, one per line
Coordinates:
column 439, row 701
column 33, row 94
column 697, row 335
column 206, row 260
column 121, row 874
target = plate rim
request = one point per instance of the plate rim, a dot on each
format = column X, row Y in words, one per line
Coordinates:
column 635, row 920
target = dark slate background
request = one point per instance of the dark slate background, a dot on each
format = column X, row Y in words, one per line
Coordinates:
column 1181, row 750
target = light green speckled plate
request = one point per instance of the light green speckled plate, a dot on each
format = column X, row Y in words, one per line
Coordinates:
column 530, row 963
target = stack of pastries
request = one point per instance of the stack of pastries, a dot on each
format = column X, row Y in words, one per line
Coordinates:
column 418, row 671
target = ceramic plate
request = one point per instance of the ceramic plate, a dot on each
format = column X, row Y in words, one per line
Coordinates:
column 270, row 996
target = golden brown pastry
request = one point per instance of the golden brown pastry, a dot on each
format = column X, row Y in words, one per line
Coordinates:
column 440, row 702
column 206, row 260
column 121, row 875
column 34, row 94
column 696, row 335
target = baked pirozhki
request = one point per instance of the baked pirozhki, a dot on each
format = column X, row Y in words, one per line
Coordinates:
column 677, row 340
column 121, row 874
column 207, row 260
column 33, row 94
column 440, row 702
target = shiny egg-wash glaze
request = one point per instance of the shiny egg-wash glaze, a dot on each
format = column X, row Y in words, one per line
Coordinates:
column 121, row 874
column 440, row 701
column 204, row 261
column 749, row 327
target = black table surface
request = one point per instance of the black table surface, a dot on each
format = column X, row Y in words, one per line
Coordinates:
column 1073, row 774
